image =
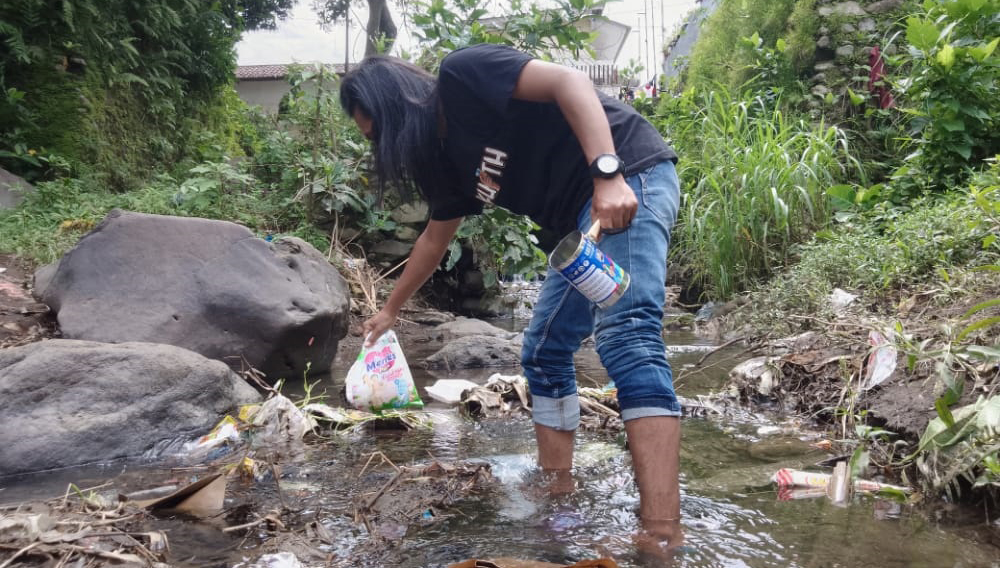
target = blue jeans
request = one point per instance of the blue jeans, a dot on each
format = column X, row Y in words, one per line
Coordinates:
column 629, row 333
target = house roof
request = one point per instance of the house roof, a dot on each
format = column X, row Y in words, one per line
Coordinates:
column 275, row 71
column 261, row 72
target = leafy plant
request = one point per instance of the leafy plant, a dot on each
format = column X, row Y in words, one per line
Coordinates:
column 502, row 244
column 446, row 25
column 210, row 184
column 951, row 90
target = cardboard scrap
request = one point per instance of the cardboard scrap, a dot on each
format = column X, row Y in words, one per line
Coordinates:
column 203, row 497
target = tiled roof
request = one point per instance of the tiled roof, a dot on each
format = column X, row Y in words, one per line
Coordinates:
column 271, row 72
column 259, row 72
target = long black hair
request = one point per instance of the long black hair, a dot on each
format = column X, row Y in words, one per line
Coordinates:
column 402, row 101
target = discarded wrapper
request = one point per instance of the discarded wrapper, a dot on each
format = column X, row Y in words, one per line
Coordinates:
column 785, row 477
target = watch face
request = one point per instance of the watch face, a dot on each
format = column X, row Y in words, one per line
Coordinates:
column 607, row 164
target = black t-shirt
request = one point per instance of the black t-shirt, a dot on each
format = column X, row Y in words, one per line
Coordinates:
column 522, row 155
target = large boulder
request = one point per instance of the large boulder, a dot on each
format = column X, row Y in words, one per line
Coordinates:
column 475, row 352
column 208, row 286
column 67, row 402
column 12, row 189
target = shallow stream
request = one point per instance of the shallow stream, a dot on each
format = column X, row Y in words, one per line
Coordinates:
column 732, row 514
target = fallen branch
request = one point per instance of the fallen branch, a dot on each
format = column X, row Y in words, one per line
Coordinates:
column 19, row 553
column 717, row 349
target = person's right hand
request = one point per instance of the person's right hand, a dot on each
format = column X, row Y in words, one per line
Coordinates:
column 374, row 327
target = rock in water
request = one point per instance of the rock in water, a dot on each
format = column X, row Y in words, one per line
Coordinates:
column 208, row 286
column 67, row 402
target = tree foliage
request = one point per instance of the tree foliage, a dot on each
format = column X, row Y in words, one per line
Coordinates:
column 112, row 85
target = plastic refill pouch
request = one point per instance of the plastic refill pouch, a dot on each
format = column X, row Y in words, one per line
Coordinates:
column 380, row 379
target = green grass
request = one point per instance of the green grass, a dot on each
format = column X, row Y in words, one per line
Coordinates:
column 52, row 218
column 754, row 184
column 925, row 245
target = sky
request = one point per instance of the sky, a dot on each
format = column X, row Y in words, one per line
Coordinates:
column 300, row 39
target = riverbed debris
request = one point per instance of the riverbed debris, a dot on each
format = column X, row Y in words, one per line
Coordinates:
column 417, row 494
column 77, row 529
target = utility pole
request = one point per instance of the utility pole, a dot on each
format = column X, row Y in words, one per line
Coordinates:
column 347, row 41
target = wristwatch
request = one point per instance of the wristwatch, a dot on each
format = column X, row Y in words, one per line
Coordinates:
column 606, row 166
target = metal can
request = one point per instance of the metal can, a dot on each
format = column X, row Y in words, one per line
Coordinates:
column 588, row 269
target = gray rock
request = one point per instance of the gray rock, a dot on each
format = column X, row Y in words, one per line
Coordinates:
column 473, row 281
column 430, row 317
column 12, row 189
column 208, row 286
column 392, row 250
column 867, row 25
column 883, row 6
column 845, row 51
column 462, row 327
column 818, row 78
column 820, row 90
column 848, row 28
column 406, row 233
column 843, row 9
column 824, row 66
column 823, row 41
column 410, row 213
column 475, row 352
column 67, row 402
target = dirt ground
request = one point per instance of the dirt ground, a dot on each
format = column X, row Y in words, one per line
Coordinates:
column 23, row 320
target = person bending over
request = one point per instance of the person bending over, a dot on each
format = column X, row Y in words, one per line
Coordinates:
column 497, row 127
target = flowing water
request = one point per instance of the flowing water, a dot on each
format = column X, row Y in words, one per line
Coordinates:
column 732, row 514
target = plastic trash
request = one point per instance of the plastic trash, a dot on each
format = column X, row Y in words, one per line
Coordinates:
column 277, row 560
column 225, row 431
column 449, row 391
column 785, row 477
column 881, row 361
column 380, row 378
column 279, row 421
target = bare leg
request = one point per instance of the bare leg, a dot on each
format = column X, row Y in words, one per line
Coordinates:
column 555, row 448
column 655, row 445
column 555, row 456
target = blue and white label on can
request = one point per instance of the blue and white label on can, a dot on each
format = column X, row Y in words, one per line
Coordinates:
column 594, row 274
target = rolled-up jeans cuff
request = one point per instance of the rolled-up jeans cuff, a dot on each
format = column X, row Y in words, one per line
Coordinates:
column 557, row 413
column 645, row 411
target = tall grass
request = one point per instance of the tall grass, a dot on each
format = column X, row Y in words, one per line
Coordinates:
column 754, row 186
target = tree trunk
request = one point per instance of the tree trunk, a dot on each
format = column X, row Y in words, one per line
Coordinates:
column 380, row 25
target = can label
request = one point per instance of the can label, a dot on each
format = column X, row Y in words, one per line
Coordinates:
column 593, row 273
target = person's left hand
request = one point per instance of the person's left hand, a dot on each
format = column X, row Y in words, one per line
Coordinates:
column 614, row 204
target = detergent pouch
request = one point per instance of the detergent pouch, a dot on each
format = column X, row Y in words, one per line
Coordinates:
column 380, row 379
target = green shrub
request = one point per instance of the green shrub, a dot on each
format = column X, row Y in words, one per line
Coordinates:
column 720, row 58
column 951, row 91
column 919, row 246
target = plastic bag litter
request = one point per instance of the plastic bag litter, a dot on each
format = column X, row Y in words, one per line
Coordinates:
column 881, row 361
column 277, row 560
column 380, row 378
column 449, row 391
column 278, row 420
